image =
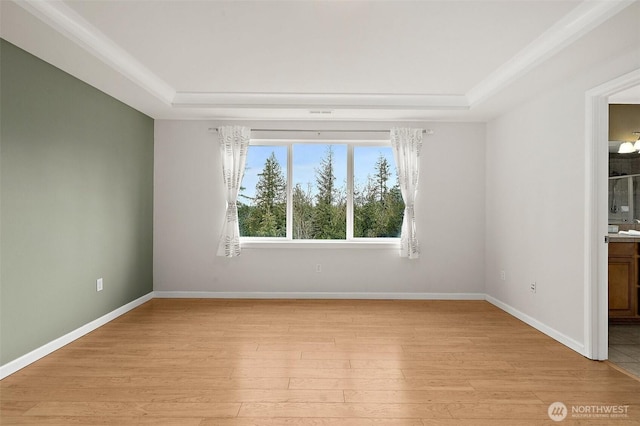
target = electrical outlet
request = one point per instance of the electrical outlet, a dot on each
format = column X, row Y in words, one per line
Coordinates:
column 503, row 275
column 318, row 267
column 99, row 284
column 533, row 287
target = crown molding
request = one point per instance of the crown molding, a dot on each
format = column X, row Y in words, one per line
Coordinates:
column 66, row 21
column 320, row 101
column 581, row 20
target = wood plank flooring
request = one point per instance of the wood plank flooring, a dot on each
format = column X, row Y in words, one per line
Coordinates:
column 314, row 363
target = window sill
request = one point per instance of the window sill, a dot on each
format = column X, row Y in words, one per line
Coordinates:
column 282, row 243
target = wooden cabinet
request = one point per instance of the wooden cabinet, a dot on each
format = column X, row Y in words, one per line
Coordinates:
column 623, row 281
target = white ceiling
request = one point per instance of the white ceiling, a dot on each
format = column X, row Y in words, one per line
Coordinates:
column 342, row 60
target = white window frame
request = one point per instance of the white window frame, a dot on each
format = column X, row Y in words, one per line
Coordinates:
column 350, row 241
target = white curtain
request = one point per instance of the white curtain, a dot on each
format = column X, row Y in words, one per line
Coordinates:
column 406, row 145
column 234, row 143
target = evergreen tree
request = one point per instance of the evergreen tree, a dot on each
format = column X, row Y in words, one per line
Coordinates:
column 378, row 209
column 326, row 179
column 395, row 211
column 364, row 203
column 271, row 186
column 382, row 175
column 267, row 217
column 302, row 213
column 329, row 220
column 244, row 211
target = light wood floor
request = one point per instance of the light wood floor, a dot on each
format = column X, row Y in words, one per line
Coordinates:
column 293, row 362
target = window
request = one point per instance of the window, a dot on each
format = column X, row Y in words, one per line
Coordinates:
column 320, row 191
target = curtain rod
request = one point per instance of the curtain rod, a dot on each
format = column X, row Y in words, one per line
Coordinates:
column 425, row 131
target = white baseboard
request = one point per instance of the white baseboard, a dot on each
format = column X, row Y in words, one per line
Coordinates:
column 549, row 331
column 19, row 363
column 36, row 354
column 315, row 295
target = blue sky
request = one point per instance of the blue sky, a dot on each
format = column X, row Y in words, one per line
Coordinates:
column 307, row 158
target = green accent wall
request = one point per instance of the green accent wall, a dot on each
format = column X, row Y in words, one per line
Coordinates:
column 76, row 203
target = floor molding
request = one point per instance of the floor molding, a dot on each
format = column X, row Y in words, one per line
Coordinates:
column 315, row 295
column 44, row 350
column 549, row 331
column 36, row 354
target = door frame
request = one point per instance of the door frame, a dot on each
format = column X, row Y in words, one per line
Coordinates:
column 596, row 336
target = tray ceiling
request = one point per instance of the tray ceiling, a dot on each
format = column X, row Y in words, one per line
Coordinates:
column 349, row 60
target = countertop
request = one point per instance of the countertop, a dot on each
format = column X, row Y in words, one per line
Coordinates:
column 621, row 238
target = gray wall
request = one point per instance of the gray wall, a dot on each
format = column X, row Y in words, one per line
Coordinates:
column 76, row 203
column 190, row 207
column 536, row 187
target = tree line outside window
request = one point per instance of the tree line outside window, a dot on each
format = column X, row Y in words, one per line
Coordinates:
column 319, row 194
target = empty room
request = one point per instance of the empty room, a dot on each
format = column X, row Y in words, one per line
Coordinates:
column 319, row 212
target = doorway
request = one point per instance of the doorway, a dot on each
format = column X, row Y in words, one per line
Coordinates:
column 624, row 216
column 596, row 213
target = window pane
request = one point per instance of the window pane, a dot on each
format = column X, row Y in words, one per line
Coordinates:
column 319, row 191
column 262, row 201
column 378, row 208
